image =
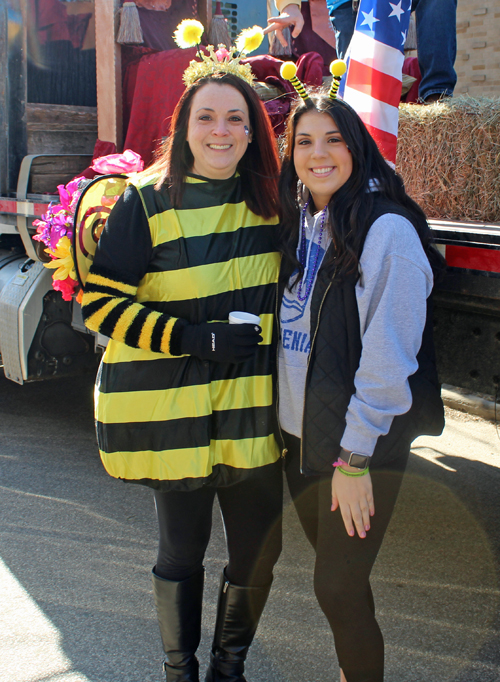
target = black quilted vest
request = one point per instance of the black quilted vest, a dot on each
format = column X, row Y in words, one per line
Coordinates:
column 335, row 354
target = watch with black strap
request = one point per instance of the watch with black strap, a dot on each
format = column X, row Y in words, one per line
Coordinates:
column 355, row 459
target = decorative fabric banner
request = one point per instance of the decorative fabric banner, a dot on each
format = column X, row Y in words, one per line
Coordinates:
column 372, row 85
column 320, row 21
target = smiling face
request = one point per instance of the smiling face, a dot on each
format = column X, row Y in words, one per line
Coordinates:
column 216, row 130
column 322, row 160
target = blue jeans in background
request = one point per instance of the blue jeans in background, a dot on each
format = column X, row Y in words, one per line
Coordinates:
column 437, row 45
column 343, row 21
column 436, row 38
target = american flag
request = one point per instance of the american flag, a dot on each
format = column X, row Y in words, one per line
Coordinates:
column 372, row 85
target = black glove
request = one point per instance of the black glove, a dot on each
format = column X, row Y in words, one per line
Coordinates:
column 220, row 342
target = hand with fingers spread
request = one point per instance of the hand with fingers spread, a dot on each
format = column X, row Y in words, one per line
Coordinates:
column 354, row 496
column 290, row 16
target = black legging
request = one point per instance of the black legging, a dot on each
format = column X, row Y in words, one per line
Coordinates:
column 251, row 511
column 343, row 563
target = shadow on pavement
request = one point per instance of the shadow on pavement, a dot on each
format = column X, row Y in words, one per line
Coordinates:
column 82, row 545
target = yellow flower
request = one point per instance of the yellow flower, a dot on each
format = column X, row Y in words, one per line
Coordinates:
column 188, row 33
column 63, row 260
column 249, row 39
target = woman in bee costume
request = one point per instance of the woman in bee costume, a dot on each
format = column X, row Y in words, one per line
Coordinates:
column 184, row 400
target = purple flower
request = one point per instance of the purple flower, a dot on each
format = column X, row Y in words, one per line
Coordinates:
column 56, row 223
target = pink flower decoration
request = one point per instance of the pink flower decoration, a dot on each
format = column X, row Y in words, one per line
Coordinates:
column 128, row 162
column 66, row 287
column 66, row 194
column 72, row 186
column 221, row 54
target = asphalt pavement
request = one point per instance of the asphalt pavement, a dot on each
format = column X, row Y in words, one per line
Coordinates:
column 76, row 550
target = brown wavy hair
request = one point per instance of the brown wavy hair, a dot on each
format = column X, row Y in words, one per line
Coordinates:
column 258, row 168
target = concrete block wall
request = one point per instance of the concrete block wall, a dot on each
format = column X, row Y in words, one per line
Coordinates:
column 478, row 48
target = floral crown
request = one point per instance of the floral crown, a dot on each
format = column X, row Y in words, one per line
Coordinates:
column 188, row 34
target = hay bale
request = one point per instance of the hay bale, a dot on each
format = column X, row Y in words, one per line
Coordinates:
column 449, row 157
column 267, row 92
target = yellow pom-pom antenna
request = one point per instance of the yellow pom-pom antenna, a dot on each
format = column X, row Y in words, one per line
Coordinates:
column 288, row 72
column 188, row 33
column 337, row 68
column 249, row 39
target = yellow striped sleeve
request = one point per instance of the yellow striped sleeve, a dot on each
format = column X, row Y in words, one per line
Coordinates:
column 97, row 319
column 109, row 307
column 167, row 335
column 100, row 281
column 145, row 336
column 125, row 320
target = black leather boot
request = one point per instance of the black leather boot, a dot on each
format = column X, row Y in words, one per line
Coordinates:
column 238, row 613
column 178, row 605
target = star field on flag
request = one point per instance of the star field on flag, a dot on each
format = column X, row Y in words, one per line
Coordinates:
column 372, row 85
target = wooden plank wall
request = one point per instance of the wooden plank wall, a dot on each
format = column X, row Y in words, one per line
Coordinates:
column 61, row 129
column 49, row 172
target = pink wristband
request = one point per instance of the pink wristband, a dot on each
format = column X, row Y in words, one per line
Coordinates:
column 339, row 463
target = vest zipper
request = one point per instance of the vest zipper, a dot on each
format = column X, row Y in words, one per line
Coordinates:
column 276, row 314
column 307, row 370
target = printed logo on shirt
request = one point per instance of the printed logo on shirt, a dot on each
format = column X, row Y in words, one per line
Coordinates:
column 291, row 308
column 296, row 341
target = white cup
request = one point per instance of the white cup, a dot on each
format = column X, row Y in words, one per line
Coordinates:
column 238, row 317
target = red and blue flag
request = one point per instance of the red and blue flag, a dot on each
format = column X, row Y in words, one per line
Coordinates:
column 372, row 85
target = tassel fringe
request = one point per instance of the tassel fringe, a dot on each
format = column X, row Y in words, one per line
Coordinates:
column 218, row 33
column 130, row 32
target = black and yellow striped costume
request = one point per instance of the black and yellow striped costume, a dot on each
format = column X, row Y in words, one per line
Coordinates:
column 177, row 422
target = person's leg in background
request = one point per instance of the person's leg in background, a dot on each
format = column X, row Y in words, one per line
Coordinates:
column 437, row 47
column 252, row 512
column 343, row 19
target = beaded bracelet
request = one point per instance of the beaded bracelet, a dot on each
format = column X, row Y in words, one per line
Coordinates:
column 353, row 474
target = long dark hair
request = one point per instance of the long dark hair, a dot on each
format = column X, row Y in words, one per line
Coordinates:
column 259, row 167
column 352, row 205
